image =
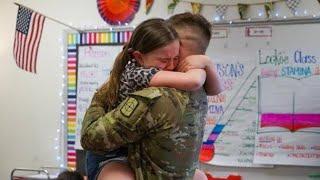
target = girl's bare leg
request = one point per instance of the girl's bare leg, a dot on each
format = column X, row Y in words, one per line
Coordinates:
column 116, row 170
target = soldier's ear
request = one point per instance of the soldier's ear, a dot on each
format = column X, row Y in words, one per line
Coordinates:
column 138, row 56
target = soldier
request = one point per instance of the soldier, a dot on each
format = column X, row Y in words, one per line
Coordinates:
column 146, row 60
column 195, row 34
column 162, row 126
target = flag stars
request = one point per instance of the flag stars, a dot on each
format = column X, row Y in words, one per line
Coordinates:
column 23, row 20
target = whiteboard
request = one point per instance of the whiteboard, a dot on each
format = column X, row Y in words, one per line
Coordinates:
column 233, row 126
column 93, row 69
column 242, row 53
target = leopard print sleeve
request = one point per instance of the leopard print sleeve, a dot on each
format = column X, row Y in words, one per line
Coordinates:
column 135, row 78
column 142, row 76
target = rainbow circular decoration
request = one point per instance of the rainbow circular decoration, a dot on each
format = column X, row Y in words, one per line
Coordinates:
column 118, row 12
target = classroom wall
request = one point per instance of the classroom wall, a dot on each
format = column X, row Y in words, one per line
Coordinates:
column 30, row 104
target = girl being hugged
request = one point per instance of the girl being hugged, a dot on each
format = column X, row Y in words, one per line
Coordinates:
column 148, row 59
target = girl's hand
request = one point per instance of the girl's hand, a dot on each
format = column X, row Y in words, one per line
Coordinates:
column 193, row 62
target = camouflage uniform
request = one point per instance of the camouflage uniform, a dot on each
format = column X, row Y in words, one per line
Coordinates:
column 162, row 127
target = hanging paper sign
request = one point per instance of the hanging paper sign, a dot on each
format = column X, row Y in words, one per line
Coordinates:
column 269, row 7
column 293, row 5
column 118, row 13
column 242, row 8
column 258, row 31
column 149, row 4
column 221, row 10
column 196, row 7
column 172, row 6
column 219, row 33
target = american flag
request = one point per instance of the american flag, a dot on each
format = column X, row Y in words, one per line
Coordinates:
column 27, row 38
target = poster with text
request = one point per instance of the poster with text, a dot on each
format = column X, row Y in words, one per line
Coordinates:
column 288, row 127
column 232, row 115
column 94, row 66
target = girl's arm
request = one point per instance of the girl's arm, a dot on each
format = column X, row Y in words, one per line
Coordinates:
column 189, row 81
column 212, row 84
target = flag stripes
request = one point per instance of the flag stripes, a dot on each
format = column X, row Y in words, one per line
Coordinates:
column 27, row 39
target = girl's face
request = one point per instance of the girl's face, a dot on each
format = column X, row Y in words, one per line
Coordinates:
column 165, row 58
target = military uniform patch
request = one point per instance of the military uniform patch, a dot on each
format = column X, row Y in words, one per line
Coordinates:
column 129, row 107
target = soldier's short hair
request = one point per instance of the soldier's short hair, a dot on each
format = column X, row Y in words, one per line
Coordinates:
column 197, row 22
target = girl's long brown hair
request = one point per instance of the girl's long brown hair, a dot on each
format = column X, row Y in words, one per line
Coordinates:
column 148, row 36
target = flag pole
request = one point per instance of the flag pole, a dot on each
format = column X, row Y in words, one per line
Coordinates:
column 52, row 19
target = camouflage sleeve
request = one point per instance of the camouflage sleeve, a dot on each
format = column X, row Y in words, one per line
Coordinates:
column 126, row 124
column 95, row 111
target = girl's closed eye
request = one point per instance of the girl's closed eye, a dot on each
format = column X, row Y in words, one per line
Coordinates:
column 164, row 60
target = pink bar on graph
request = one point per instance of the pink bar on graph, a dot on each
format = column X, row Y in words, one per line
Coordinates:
column 306, row 121
column 276, row 120
column 213, row 137
column 292, row 122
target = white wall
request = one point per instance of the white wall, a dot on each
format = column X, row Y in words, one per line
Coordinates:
column 30, row 104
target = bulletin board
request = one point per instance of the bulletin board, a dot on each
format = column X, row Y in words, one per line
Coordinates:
column 90, row 57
